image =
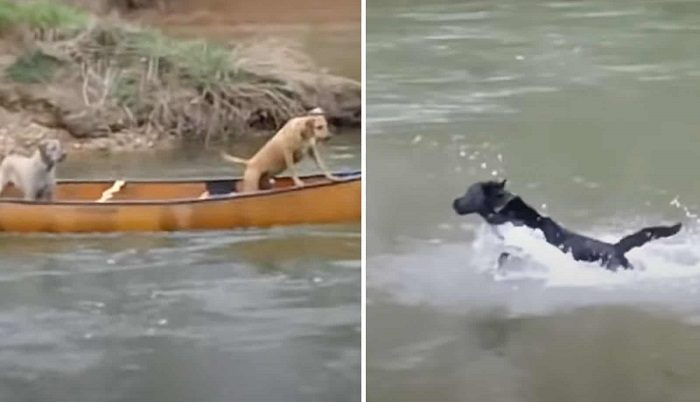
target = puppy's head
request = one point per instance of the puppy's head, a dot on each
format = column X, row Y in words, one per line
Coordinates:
column 51, row 152
column 485, row 196
column 316, row 125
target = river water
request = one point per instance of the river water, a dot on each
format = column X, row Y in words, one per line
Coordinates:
column 254, row 314
column 589, row 109
column 264, row 315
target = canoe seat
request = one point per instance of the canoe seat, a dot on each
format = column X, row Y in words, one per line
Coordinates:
column 107, row 194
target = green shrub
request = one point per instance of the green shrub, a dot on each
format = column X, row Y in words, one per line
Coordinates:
column 40, row 14
column 33, row 67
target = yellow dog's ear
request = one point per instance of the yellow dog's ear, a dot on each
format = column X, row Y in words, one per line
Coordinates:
column 317, row 111
column 308, row 130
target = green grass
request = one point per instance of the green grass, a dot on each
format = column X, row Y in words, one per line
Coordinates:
column 9, row 15
column 198, row 61
column 196, row 64
column 203, row 62
column 31, row 68
column 42, row 14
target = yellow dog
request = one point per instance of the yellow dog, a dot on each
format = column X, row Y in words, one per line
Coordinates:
column 297, row 138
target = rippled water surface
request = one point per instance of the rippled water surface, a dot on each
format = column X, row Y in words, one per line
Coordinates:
column 589, row 109
column 264, row 315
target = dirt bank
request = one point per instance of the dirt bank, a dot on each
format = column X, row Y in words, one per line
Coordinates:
column 239, row 11
column 103, row 84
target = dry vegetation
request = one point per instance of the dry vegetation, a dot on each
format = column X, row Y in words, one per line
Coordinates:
column 102, row 78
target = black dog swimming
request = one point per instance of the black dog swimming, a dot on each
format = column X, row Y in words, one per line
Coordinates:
column 497, row 206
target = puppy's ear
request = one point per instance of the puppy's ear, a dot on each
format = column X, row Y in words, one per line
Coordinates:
column 42, row 149
column 502, row 184
column 44, row 153
column 308, row 130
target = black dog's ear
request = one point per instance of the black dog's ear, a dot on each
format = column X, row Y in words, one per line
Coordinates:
column 494, row 187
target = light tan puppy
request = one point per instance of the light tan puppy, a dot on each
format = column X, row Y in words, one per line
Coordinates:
column 34, row 176
column 297, row 138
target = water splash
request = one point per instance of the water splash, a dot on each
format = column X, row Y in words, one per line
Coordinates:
column 686, row 210
column 534, row 259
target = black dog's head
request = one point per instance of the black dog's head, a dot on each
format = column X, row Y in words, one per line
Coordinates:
column 485, row 198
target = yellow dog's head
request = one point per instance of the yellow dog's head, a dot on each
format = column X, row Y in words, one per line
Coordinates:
column 316, row 125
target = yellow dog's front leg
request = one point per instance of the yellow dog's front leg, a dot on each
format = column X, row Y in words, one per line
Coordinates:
column 313, row 152
column 289, row 160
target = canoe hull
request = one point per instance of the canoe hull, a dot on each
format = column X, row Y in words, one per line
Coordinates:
column 314, row 204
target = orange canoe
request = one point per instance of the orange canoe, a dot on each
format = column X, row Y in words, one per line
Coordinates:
column 189, row 204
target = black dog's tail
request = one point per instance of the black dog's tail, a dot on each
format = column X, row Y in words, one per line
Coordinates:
column 646, row 235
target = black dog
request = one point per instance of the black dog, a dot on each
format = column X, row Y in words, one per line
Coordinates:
column 498, row 206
